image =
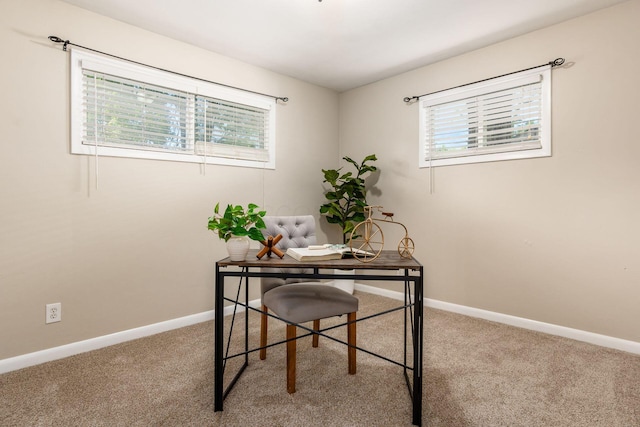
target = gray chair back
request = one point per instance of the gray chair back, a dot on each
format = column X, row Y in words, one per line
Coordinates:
column 297, row 232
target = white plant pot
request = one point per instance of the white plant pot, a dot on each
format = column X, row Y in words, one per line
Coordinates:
column 347, row 285
column 238, row 247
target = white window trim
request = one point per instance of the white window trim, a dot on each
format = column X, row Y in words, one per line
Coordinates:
column 486, row 87
column 81, row 59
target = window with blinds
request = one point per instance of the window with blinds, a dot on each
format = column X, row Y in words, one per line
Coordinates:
column 120, row 112
column 231, row 130
column 127, row 110
column 501, row 119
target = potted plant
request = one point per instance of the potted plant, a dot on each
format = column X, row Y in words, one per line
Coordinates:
column 236, row 226
column 345, row 204
column 348, row 196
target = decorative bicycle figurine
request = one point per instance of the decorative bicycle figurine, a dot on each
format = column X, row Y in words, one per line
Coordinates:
column 367, row 239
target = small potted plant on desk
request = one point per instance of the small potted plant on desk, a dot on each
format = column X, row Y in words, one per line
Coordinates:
column 236, row 226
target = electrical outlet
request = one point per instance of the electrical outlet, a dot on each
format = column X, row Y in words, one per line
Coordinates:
column 54, row 312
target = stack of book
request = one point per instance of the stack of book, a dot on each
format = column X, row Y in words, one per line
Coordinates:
column 323, row 252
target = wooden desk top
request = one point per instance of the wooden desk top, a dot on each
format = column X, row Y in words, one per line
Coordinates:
column 388, row 260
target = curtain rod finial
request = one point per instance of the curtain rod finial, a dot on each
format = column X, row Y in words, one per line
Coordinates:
column 57, row 39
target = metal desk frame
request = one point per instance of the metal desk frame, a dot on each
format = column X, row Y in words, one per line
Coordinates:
column 388, row 261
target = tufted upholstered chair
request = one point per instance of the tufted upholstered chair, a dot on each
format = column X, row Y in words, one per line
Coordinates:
column 298, row 301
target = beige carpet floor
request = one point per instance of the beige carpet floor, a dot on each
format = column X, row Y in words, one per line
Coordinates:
column 476, row 373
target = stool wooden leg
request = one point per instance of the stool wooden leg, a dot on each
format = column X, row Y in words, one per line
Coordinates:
column 263, row 332
column 291, row 359
column 316, row 327
column 351, row 339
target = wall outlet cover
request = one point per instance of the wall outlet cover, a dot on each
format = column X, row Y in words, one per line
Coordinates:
column 53, row 312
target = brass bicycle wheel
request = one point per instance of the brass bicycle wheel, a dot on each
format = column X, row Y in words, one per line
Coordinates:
column 406, row 247
column 367, row 241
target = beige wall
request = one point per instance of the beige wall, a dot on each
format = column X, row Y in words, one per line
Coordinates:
column 135, row 251
column 554, row 239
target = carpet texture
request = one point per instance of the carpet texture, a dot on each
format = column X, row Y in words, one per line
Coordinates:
column 476, row 373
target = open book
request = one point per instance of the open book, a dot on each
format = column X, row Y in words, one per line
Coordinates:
column 323, row 252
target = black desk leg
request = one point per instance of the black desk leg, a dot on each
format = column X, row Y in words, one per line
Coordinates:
column 219, row 337
column 417, row 350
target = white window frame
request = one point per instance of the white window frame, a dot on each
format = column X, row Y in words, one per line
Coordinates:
column 81, row 60
column 477, row 89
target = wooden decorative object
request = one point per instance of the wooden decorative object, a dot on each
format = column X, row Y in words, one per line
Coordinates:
column 270, row 247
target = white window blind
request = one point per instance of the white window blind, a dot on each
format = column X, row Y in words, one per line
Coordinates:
column 125, row 113
column 497, row 120
column 229, row 129
column 126, row 110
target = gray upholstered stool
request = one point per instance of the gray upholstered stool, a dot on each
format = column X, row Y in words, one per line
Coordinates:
column 303, row 302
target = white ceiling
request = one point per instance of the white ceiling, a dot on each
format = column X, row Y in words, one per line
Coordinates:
column 341, row 44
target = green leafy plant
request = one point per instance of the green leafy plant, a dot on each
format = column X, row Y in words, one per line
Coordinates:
column 347, row 198
column 236, row 222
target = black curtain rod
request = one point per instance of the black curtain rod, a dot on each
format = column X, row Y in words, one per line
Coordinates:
column 555, row 63
column 56, row 39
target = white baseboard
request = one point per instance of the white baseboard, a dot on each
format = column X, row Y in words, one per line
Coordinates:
column 62, row 351
column 55, row 353
column 534, row 325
